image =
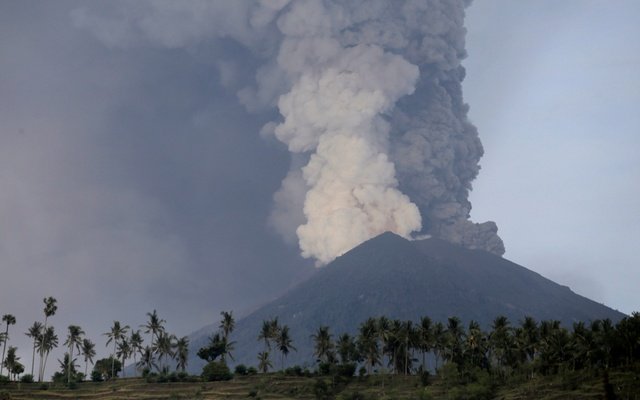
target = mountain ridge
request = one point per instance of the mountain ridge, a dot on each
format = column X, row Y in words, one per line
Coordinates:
column 401, row 279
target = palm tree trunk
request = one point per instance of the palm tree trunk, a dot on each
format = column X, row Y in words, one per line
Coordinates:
column 69, row 365
column 113, row 359
column 33, row 357
column 42, row 345
column 86, row 368
column 4, row 347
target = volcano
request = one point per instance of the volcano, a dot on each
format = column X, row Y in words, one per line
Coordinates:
column 401, row 279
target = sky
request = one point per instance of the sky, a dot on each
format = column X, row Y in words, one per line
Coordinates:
column 132, row 179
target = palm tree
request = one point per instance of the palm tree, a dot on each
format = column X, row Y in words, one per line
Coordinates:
column 227, row 323
column 368, row 343
column 454, row 335
column 439, row 341
column 74, row 339
column 147, row 360
column 154, row 326
column 10, row 320
column 263, row 362
column 88, row 350
column 501, row 341
column 163, row 347
column 124, row 351
column 34, row 332
column 323, row 346
column 265, row 334
column 50, row 309
column 346, row 348
column 285, row 344
column 182, row 352
column 475, row 345
column 48, row 341
column 135, row 341
column 425, row 339
column 116, row 334
column 11, row 362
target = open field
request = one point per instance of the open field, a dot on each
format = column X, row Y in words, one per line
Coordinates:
column 625, row 383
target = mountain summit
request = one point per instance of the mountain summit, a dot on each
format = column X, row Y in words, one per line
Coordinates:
column 401, row 279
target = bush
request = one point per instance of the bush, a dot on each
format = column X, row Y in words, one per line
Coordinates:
column 321, row 389
column 424, row 378
column 345, row 370
column 362, row 372
column 241, row 369
column 4, row 379
column 294, row 371
column 252, row 371
column 4, row 395
column 216, row 371
column 96, row 376
column 28, row 378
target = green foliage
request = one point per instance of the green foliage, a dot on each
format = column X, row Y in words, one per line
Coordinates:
column 241, row 370
column 28, row 378
column 103, row 367
column 216, row 371
column 252, row 371
column 4, row 395
column 96, row 376
column 321, row 390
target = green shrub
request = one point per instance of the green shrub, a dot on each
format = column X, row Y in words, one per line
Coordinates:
column 216, row 371
column 28, row 378
column 345, row 370
column 241, row 369
column 96, row 376
column 424, row 378
column 4, row 395
column 44, row 386
column 252, row 371
column 253, row 393
column 4, row 379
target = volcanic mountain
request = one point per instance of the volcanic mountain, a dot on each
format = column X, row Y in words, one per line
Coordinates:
column 401, row 279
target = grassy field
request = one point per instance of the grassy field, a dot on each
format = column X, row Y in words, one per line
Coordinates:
column 626, row 384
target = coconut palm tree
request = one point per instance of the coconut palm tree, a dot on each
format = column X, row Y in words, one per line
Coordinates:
column 50, row 308
column 425, row 339
column 227, row 323
column 48, row 341
column 11, row 362
column 124, row 352
column 265, row 334
column 88, row 350
column 135, row 341
column 323, row 344
column 74, row 340
column 368, row 343
column 346, row 348
column 154, row 326
column 263, row 362
column 34, row 332
column 147, row 360
column 439, row 341
column 9, row 320
column 163, row 347
column 284, row 343
column 182, row 352
column 115, row 335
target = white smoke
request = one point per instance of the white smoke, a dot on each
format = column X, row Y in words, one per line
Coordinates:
column 370, row 97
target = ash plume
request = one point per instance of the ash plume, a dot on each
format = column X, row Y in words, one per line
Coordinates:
column 370, row 102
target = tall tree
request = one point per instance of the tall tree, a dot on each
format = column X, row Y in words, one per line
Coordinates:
column 115, row 335
column 11, row 362
column 368, row 343
column 9, row 320
column 136, row 341
column 147, row 359
column 88, row 350
column 48, row 341
column 50, row 308
column 182, row 352
column 426, row 339
column 34, row 332
column 227, row 323
column 346, row 348
column 265, row 334
column 154, row 325
column 124, row 352
column 263, row 362
column 74, row 340
column 323, row 344
column 163, row 346
column 285, row 344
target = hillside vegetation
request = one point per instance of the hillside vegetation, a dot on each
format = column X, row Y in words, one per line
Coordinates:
column 625, row 384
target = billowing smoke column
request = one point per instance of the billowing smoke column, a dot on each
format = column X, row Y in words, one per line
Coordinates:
column 376, row 100
column 370, row 96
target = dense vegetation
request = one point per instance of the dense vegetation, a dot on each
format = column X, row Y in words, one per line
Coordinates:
column 461, row 361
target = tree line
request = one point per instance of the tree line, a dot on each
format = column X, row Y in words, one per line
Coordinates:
column 380, row 345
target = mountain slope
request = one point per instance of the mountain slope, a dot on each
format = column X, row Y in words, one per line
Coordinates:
column 402, row 279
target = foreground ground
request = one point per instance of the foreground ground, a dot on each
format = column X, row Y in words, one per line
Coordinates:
column 625, row 384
